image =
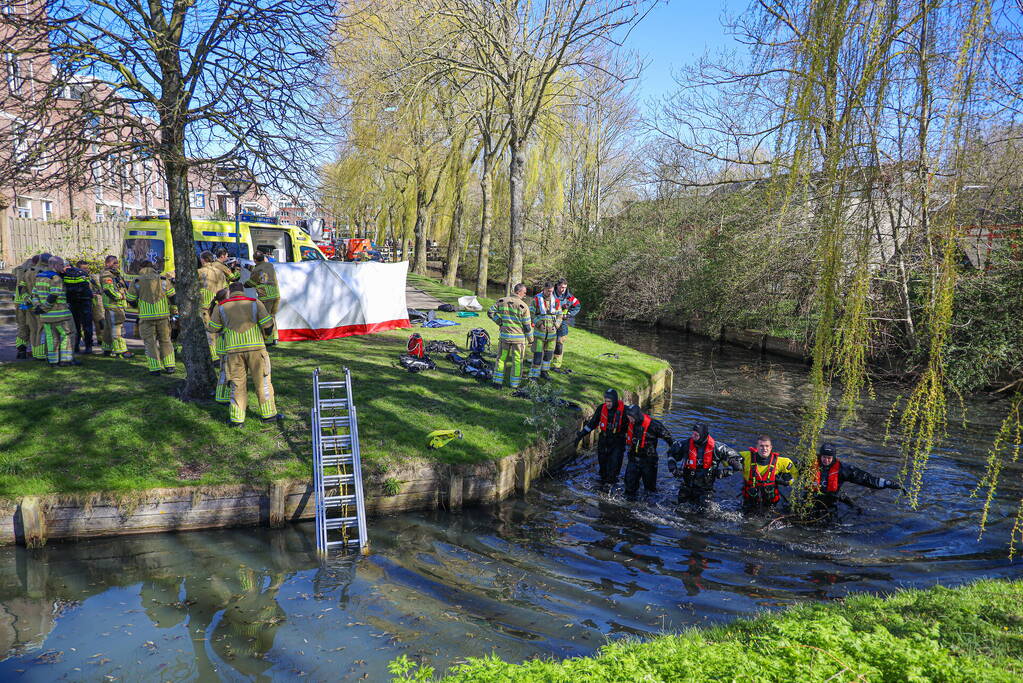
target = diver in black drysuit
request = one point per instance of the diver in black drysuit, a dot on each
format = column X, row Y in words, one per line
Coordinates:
column 699, row 461
column 641, row 435
column 832, row 473
column 610, row 422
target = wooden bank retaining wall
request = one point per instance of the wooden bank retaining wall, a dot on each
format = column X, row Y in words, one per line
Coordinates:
column 425, row 485
column 752, row 340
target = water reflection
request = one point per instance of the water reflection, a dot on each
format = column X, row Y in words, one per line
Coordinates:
column 554, row 574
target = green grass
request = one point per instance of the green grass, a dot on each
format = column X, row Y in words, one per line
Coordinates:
column 110, row 426
column 969, row 634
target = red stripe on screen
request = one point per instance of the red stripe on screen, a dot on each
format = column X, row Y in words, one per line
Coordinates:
column 325, row 333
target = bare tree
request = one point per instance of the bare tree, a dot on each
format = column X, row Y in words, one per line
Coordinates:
column 520, row 47
column 191, row 83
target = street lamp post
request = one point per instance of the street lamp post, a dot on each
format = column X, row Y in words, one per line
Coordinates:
column 235, row 178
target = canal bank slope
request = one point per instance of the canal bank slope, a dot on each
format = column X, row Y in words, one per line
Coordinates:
column 106, row 449
column 971, row 633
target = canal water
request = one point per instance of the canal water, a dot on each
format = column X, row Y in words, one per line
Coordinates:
column 555, row 574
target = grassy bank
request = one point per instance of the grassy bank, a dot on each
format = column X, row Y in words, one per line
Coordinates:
column 110, row 426
column 969, row 634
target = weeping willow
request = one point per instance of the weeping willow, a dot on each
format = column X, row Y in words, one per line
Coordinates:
column 839, row 57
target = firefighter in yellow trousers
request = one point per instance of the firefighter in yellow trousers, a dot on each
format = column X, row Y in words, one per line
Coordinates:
column 50, row 302
column 36, row 335
column 264, row 280
column 22, row 308
column 115, row 293
column 511, row 314
column 154, row 295
column 243, row 321
column 211, row 281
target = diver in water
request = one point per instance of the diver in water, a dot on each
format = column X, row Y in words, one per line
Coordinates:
column 610, row 422
column 698, row 461
column 832, row 473
column 762, row 471
column 641, row 435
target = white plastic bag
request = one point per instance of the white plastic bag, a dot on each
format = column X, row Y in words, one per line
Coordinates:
column 470, row 303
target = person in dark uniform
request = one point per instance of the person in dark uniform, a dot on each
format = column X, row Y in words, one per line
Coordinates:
column 78, row 288
column 641, row 435
column 832, row 473
column 610, row 421
column 698, row 461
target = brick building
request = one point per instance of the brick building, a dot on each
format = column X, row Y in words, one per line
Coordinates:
column 119, row 182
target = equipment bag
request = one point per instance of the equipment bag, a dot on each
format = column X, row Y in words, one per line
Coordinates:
column 415, row 345
column 477, row 341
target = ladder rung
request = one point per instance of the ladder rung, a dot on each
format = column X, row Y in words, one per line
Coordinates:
column 335, row 479
column 339, row 459
column 337, row 501
column 336, row 440
column 335, row 421
column 334, row 404
column 350, row 541
column 332, row 385
column 342, row 522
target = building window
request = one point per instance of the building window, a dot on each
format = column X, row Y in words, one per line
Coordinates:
column 24, row 206
column 15, row 79
column 97, row 191
column 99, row 215
column 198, row 200
column 47, row 210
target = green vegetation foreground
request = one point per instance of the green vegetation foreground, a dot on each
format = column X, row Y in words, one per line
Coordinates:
column 973, row 633
column 110, row 426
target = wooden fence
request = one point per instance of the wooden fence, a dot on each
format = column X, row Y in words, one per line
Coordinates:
column 70, row 239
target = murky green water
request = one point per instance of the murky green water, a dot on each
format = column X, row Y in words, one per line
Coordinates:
column 555, row 574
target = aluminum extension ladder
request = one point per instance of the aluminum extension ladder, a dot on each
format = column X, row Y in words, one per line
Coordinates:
column 337, row 468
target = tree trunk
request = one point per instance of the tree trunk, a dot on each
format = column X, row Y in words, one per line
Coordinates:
column 419, row 265
column 454, row 242
column 195, row 350
column 486, row 223
column 515, row 219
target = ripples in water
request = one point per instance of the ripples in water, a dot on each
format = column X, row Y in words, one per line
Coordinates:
column 555, row 574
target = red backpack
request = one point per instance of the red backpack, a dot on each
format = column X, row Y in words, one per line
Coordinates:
column 415, row 346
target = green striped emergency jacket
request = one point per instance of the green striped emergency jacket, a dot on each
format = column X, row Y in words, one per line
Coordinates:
column 48, row 294
column 114, row 294
column 264, row 280
column 240, row 319
column 512, row 315
column 152, row 293
column 21, row 291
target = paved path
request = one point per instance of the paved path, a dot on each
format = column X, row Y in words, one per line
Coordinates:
column 420, row 300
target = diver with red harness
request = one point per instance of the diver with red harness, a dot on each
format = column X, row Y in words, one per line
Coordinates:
column 832, row 473
column 698, row 462
column 763, row 470
column 641, row 435
column 610, row 422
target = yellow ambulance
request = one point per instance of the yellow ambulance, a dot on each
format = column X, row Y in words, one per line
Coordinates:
column 149, row 239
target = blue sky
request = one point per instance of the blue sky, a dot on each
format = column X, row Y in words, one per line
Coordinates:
column 675, row 34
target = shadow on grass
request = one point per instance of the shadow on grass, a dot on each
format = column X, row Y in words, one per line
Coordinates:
column 109, row 426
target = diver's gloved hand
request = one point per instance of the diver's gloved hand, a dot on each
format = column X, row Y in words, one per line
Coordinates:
column 889, row 484
column 673, row 468
column 579, row 436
